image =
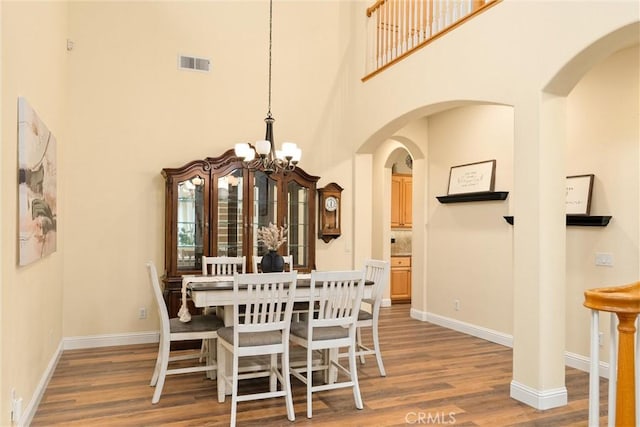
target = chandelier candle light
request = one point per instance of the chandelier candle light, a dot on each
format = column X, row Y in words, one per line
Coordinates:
column 269, row 159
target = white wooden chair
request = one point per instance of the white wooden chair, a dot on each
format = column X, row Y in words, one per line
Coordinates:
column 221, row 266
column 376, row 271
column 171, row 330
column 266, row 300
column 288, row 263
column 337, row 295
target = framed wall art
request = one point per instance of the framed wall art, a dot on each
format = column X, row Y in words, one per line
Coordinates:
column 37, row 197
column 476, row 177
column 579, row 188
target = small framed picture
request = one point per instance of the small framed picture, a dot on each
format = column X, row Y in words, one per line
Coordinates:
column 579, row 189
column 476, row 177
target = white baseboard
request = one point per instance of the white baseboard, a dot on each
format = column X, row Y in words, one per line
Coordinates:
column 92, row 341
column 32, row 407
column 386, row 302
column 583, row 363
column 466, row 328
column 539, row 399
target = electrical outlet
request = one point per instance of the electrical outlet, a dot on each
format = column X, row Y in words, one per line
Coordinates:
column 600, row 339
column 456, row 304
column 142, row 313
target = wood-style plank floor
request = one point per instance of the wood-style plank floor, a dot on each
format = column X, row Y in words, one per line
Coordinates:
column 435, row 376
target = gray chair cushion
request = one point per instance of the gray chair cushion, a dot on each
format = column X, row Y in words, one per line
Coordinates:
column 197, row 324
column 252, row 338
column 300, row 329
column 364, row 315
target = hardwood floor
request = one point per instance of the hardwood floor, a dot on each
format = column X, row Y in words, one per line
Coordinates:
column 445, row 377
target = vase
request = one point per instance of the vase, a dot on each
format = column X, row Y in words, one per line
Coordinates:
column 272, row 262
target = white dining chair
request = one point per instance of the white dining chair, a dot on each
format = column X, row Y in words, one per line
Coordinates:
column 376, row 271
column 257, row 259
column 220, row 266
column 172, row 330
column 337, row 296
column 266, row 301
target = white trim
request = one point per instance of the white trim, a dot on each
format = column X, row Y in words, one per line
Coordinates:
column 386, row 302
column 582, row 363
column 32, row 407
column 467, row 328
column 542, row 400
column 108, row 340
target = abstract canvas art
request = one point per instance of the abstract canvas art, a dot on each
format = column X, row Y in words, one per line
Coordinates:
column 36, row 186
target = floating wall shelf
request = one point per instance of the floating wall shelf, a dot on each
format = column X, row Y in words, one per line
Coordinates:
column 582, row 220
column 473, row 197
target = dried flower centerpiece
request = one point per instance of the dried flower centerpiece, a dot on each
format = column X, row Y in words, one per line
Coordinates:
column 272, row 237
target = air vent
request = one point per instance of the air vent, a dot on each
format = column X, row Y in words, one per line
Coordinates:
column 194, row 63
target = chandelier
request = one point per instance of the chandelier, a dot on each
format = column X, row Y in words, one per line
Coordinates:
column 263, row 155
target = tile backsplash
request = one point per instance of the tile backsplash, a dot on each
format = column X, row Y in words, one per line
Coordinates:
column 400, row 242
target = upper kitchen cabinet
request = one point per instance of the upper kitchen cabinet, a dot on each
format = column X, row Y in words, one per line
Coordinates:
column 401, row 201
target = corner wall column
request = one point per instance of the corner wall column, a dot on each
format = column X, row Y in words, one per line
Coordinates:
column 539, row 241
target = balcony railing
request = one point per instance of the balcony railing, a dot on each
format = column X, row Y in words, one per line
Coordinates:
column 623, row 302
column 396, row 28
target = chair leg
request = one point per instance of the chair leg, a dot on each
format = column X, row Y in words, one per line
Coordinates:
column 354, row 376
column 376, row 348
column 359, row 344
column 162, row 374
column 221, row 362
column 234, row 390
column 291, row 415
column 156, row 369
column 309, row 382
column 273, row 378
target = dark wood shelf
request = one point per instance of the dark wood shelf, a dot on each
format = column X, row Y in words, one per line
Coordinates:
column 473, row 197
column 580, row 220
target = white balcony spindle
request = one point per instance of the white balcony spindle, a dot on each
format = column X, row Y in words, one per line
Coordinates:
column 594, row 372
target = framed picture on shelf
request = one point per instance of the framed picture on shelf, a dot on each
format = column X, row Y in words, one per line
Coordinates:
column 476, row 177
column 579, row 189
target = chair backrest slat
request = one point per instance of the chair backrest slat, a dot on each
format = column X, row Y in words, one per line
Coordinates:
column 163, row 313
column 337, row 295
column 267, row 299
column 377, row 271
column 223, row 265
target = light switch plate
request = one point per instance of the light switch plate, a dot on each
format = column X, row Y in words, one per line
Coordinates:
column 604, row 259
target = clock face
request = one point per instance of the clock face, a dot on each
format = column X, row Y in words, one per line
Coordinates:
column 331, row 203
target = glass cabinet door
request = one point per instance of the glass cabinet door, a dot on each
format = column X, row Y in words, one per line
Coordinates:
column 190, row 223
column 297, row 217
column 264, row 207
column 228, row 216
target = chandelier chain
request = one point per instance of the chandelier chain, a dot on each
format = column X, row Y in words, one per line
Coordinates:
column 270, row 43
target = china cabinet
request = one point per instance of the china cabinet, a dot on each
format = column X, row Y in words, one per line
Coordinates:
column 215, row 206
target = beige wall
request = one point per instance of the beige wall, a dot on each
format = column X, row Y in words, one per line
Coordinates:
column 470, row 244
column 34, row 65
column 122, row 111
column 603, row 139
column 135, row 113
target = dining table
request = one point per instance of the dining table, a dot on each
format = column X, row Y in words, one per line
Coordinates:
column 217, row 291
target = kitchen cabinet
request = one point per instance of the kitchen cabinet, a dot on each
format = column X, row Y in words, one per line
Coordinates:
column 400, row 279
column 401, row 201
